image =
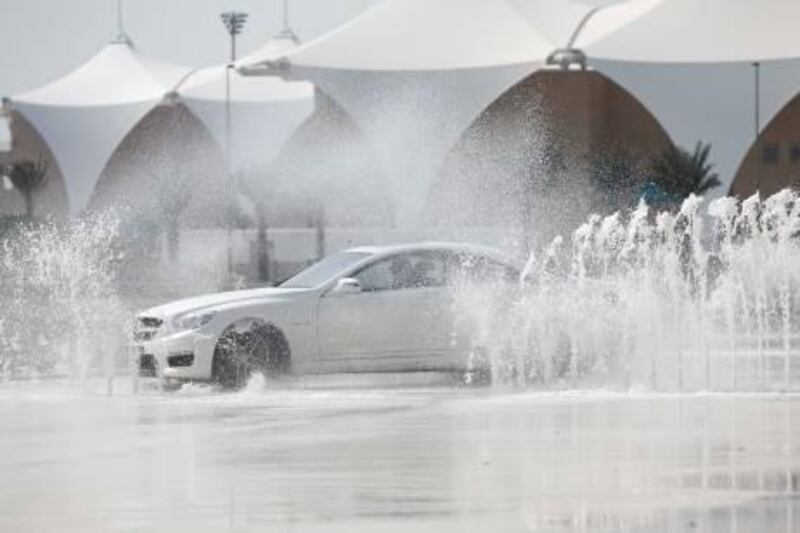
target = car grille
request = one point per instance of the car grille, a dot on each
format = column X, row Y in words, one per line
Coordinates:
column 146, row 328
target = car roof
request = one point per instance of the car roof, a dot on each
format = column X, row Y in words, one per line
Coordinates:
column 392, row 249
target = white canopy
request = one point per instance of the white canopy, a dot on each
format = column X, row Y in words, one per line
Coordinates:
column 263, row 111
column 690, row 63
column 414, row 35
column 692, row 31
column 414, row 74
column 86, row 114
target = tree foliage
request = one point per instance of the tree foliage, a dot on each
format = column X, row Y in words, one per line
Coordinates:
column 680, row 173
column 621, row 180
column 27, row 177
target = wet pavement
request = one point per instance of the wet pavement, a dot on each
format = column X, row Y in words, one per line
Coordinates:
column 394, row 454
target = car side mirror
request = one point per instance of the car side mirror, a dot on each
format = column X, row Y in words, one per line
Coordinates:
column 347, row 286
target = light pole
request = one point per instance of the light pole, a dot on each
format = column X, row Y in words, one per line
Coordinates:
column 234, row 24
column 757, row 121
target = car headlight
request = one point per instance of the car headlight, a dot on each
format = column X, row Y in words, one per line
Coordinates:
column 193, row 321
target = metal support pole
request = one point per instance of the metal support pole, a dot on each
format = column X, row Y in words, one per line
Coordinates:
column 121, row 37
column 234, row 23
column 757, row 122
column 228, row 166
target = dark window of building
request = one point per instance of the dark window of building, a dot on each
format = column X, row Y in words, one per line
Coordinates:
column 794, row 153
column 770, row 154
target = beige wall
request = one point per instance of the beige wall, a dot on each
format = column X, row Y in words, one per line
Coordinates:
column 585, row 111
column 11, row 201
column 168, row 161
column 599, row 114
column 329, row 162
column 27, row 144
column 768, row 177
column 526, row 158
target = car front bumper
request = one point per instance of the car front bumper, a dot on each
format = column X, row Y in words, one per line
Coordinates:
column 187, row 355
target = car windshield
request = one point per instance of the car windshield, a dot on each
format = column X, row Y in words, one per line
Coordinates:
column 325, row 270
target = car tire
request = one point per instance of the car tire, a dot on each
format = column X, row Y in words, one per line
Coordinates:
column 245, row 348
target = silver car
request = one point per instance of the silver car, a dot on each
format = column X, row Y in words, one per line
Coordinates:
column 367, row 309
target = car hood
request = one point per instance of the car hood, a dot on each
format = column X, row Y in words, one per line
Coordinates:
column 207, row 301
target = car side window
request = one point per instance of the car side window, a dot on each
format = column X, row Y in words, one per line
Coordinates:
column 477, row 268
column 377, row 277
column 403, row 271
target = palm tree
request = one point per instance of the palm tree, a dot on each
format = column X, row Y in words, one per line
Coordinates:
column 27, row 177
column 679, row 173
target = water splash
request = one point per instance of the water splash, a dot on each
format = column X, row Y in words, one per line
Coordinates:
column 61, row 310
column 705, row 298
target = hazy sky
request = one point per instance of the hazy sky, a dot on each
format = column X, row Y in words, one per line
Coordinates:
column 40, row 40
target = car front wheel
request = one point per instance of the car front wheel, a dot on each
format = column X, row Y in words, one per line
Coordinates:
column 245, row 348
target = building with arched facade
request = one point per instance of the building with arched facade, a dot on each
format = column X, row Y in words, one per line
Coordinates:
column 259, row 114
column 26, row 144
column 538, row 155
column 76, row 122
column 715, row 71
column 95, row 127
column 328, row 172
column 414, row 75
column 773, row 161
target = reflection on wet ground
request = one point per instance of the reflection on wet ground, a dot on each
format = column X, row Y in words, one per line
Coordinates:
column 342, row 456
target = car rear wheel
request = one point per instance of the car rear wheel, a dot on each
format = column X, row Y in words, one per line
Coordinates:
column 245, row 348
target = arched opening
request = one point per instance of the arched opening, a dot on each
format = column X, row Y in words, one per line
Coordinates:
column 551, row 149
column 168, row 174
column 328, row 170
column 169, row 165
column 28, row 145
column 773, row 161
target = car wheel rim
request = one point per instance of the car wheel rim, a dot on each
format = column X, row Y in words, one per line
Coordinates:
column 243, row 351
